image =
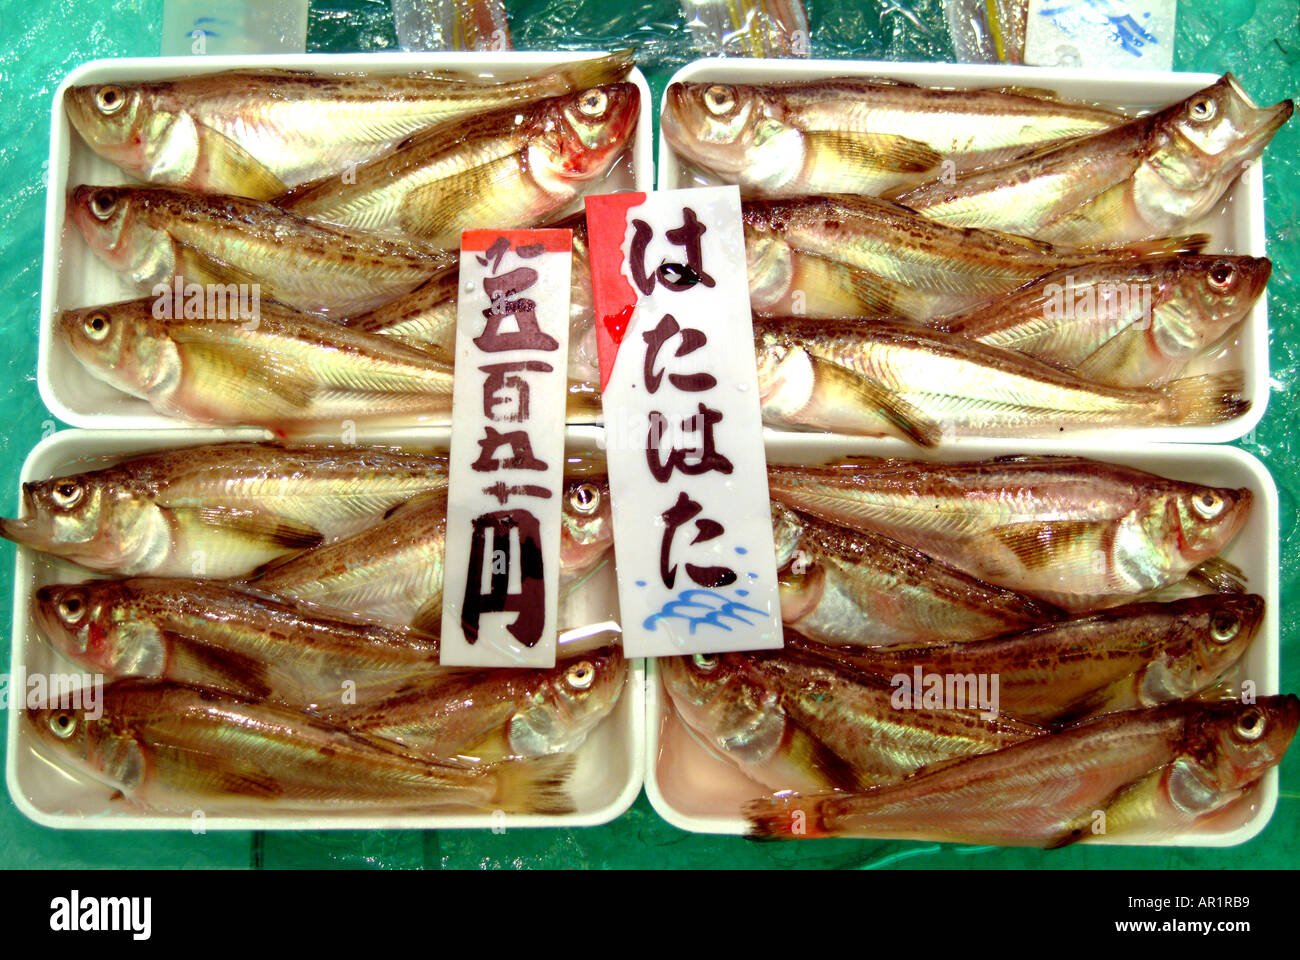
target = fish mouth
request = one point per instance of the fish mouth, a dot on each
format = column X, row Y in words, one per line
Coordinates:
column 1260, row 269
column 1272, row 117
column 21, row 531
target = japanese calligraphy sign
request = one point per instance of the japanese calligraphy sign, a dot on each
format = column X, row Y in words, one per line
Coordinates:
column 500, row 579
column 684, row 442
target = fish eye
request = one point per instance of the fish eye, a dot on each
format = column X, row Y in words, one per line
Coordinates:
column 1250, row 725
column 705, row 662
column 1202, row 109
column 585, row 498
column 719, row 99
column 71, row 609
column 66, row 494
column 592, row 103
column 580, row 675
column 102, row 204
column 63, row 724
column 96, row 325
column 1208, row 504
column 1221, row 276
column 1224, row 627
column 109, row 99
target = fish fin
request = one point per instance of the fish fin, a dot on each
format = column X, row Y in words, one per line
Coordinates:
column 245, row 380
column 885, row 298
column 1196, row 401
column 241, row 173
column 534, row 786
column 1101, row 365
column 884, row 151
column 428, row 213
column 428, row 619
column 276, row 531
column 229, row 672
column 830, row 381
column 262, row 786
column 1158, row 247
column 1219, row 575
column 786, row 818
column 810, row 753
column 598, row 71
column 1072, row 835
column 195, row 266
column 1041, row 544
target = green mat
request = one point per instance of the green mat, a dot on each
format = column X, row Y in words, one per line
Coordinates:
column 1259, row 40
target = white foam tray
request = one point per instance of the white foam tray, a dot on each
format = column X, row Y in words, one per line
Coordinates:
column 605, row 782
column 73, row 276
column 696, row 791
column 1236, row 227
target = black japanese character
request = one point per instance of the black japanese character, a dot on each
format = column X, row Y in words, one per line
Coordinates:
column 708, row 456
column 521, row 452
column 676, row 277
column 497, row 381
column 692, row 340
column 684, row 510
column 530, row 602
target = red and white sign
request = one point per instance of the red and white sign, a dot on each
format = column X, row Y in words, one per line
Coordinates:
column 684, row 432
column 501, row 573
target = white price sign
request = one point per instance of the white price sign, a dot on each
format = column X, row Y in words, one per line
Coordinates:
column 684, row 441
column 501, row 575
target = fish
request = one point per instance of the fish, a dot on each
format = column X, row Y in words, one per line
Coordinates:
column 161, row 239
column 281, row 369
column 741, row 721
column 174, row 748
column 796, row 723
column 393, row 570
column 426, row 317
column 1145, row 178
column 860, row 135
column 839, row 586
column 887, row 378
column 1122, row 658
column 217, row 510
column 858, row 716
column 1075, row 532
column 1121, row 324
column 256, row 133
column 1161, row 768
column 846, row 256
column 230, row 638
column 515, row 167
column 494, row 715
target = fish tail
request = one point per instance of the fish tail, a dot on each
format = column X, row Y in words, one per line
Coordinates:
column 535, row 786
column 786, row 818
column 1196, row 401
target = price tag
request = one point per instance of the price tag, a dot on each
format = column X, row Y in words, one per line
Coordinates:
column 684, row 440
column 1122, row 34
column 501, row 573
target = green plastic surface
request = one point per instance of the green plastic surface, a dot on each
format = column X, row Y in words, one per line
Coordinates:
column 42, row 42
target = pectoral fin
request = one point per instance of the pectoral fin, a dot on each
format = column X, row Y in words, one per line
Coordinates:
column 233, row 170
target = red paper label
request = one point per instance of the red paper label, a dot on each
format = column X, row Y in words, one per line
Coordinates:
column 612, row 296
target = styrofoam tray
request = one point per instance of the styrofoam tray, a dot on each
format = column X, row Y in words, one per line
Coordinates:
column 1236, row 227
column 605, row 782
column 694, row 790
column 74, row 277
